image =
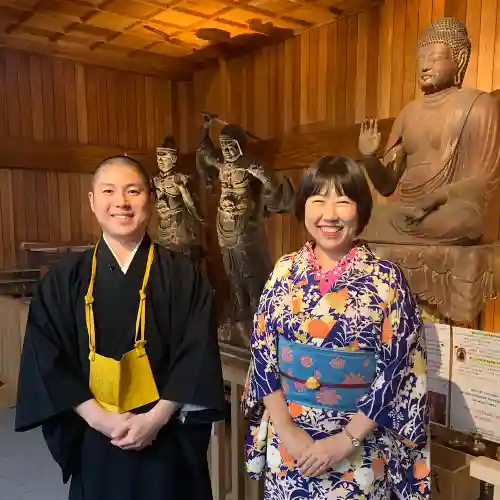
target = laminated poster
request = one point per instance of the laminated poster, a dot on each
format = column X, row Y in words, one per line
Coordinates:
column 475, row 383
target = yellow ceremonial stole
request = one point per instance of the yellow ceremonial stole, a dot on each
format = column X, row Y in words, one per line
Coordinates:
column 121, row 386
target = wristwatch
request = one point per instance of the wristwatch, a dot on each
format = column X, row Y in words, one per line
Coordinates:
column 355, row 442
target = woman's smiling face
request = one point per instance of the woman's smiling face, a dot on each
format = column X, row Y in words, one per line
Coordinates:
column 331, row 219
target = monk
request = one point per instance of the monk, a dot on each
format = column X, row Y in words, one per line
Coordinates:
column 120, row 365
column 443, row 151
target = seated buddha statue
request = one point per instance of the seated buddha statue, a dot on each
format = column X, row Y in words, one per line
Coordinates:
column 443, row 152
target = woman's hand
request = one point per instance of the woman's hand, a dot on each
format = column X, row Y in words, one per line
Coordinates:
column 295, row 440
column 324, row 454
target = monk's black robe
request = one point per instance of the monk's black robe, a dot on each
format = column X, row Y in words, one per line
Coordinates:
column 182, row 347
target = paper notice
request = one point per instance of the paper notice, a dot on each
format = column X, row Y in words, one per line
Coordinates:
column 475, row 383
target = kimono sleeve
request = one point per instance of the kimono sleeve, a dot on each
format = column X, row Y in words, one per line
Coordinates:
column 263, row 375
column 398, row 397
column 51, row 382
column 195, row 374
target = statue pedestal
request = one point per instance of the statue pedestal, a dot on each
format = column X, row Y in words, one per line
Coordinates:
column 457, row 280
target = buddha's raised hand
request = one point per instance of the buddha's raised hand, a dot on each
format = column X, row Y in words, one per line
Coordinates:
column 369, row 137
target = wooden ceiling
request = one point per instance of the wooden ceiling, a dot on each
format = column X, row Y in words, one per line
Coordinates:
column 160, row 36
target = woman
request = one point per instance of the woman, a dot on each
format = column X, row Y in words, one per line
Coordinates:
column 336, row 393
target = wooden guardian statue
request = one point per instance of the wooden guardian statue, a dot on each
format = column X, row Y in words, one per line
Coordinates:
column 180, row 224
column 249, row 193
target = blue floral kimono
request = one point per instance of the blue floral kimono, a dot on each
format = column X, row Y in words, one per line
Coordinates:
column 370, row 312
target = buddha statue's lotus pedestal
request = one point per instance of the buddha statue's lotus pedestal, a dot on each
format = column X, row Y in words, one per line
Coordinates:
column 456, row 280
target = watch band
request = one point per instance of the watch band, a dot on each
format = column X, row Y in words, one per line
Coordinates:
column 355, row 442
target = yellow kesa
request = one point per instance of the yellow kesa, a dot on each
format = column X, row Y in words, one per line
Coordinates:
column 121, row 386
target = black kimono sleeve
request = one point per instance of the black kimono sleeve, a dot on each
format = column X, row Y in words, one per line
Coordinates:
column 50, row 378
column 195, row 375
column 51, row 383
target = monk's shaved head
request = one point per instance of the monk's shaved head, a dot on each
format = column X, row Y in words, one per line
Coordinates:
column 126, row 161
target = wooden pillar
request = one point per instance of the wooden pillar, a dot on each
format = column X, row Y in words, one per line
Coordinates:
column 237, row 443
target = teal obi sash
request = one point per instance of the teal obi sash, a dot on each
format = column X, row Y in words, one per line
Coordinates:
column 325, row 378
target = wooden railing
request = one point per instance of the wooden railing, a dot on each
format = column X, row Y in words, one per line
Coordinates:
column 227, row 467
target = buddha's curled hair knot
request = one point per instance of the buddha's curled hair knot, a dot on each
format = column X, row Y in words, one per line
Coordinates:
column 453, row 33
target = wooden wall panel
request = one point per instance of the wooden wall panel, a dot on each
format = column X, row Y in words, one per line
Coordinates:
column 42, row 206
column 67, row 112
column 327, row 75
column 48, row 99
column 361, row 65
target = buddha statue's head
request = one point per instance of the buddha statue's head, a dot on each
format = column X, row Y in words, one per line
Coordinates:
column 443, row 54
column 232, row 141
column 166, row 155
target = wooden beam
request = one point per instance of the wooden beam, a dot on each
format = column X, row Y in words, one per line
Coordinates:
column 63, row 157
column 299, row 150
column 307, row 144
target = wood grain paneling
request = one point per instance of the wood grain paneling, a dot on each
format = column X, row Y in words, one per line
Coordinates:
column 160, row 38
column 328, row 74
column 42, row 206
column 57, row 100
column 58, row 119
column 14, row 313
column 64, row 157
column 360, row 65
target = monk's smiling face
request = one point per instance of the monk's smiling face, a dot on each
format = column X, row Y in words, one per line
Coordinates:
column 121, row 201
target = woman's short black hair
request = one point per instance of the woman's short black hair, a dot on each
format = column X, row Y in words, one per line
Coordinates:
column 341, row 173
column 130, row 162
